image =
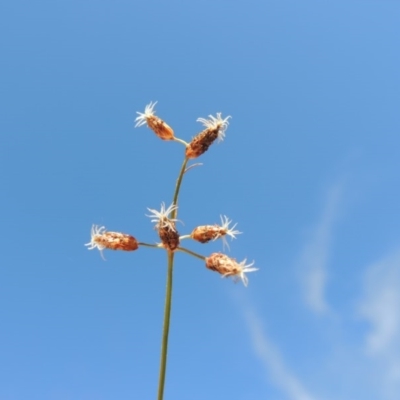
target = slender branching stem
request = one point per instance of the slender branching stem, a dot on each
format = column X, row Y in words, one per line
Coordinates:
column 168, row 294
column 192, row 253
column 185, row 237
column 180, row 141
column 178, row 186
column 155, row 246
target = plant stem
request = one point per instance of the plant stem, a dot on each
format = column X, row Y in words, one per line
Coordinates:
column 155, row 246
column 167, row 316
column 192, row 253
column 168, row 294
column 178, row 186
column 180, row 141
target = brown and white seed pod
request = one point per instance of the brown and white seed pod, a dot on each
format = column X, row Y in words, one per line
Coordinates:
column 205, row 233
column 222, row 264
column 156, row 124
column 200, row 143
column 166, row 226
column 169, row 237
column 160, row 128
column 228, row 267
column 117, row 241
column 215, row 128
column 102, row 239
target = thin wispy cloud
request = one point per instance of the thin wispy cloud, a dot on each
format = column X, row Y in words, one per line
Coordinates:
column 358, row 358
column 277, row 371
column 315, row 255
column 380, row 307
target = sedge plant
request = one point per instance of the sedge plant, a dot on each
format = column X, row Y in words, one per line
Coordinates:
column 165, row 221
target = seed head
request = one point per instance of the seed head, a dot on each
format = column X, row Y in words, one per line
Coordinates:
column 169, row 238
column 156, row 124
column 166, row 226
column 227, row 266
column 102, row 239
column 215, row 128
column 205, row 233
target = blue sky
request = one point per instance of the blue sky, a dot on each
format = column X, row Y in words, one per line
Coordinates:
column 309, row 170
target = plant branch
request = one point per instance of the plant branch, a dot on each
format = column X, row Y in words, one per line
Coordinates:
column 178, row 186
column 192, row 253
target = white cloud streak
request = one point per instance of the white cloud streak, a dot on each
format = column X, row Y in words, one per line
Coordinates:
column 315, row 255
column 273, row 362
column 380, row 307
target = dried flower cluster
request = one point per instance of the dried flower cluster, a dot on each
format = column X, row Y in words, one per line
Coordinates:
column 205, row 233
column 215, row 128
column 166, row 226
column 156, row 124
column 165, row 219
column 227, row 266
column 102, row 239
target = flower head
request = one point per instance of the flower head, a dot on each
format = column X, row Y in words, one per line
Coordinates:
column 205, row 233
column 166, row 226
column 215, row 128
column 216, row 123
column 227, row 266
column 102, row 239
column 156, row 124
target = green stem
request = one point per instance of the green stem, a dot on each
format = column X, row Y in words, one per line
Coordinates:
column 180, row 141
column 178, row 186
column 192, row 253
column 167, row 316
column 168, row 294
column 156, row 246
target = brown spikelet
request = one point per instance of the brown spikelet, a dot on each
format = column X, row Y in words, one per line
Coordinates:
column 227, row 266
column 160, row 127
column 205, row 233
column 169, row 236
column 223, row 264
column 202, row 142
column 116, row 241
